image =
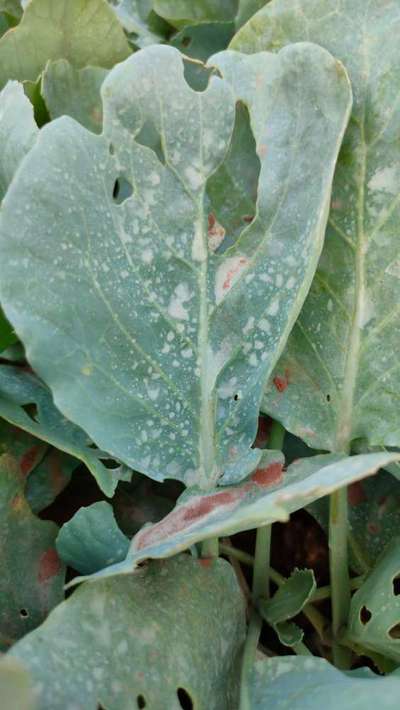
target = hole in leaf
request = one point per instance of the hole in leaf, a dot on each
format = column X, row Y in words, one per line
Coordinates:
column 396, row 585
column 111, row 149
column 31, row 410
column 150, row 138
column 110, row 463
column 328, row 397
column 236, row 397
column 23, row 613
column 122, row 190
column 365, row 615
column 185, row 700
column 394, row 632
column 141, row 702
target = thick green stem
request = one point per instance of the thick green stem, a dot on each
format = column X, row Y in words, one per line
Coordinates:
column 249, row 656
column 276, row 437
column 210, row 548
column 339, row 572
column 261, row 563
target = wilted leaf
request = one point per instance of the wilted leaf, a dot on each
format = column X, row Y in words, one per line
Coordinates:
column 341, row 365
column 68, row 91
column 92, row 540
column 121, row 653
column 27, row 403
column 374, row 620
column 267, row 496
column 302, row 683
column 32, row 577
column 15, row 686
column 153, row 343
column 82, row 31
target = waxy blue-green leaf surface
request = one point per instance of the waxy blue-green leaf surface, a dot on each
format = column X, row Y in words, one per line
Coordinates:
column 269, row 495
column 341, row 363
column 374, row 620
column 298, row 683
column 151, row 341
column 92, row 540
column 82, row 31
column 18, row 390
column 16, row 691
column 124, row 642
column 18, row 131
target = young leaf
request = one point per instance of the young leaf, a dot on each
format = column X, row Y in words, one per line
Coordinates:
column 32, row 578
column 302, row 683
column 27, row 403
column 267, row 496
column 92, row 540
column 153, row 343
column 74, row 92
column 287, row 602
column 374, row 620
column 340, row 368
column 110, row 644
column 82, row 31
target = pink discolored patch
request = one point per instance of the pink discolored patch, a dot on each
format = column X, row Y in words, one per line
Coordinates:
column 49, row 565
column 281, row 383
column 30, row 459
column 206, row 562
column 268, row 476
column 355, row 493
column 227, row 283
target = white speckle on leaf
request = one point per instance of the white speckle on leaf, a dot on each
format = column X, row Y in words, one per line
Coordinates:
column 194, row 177
column 385, row 180
column 180, row 296
column 367, row 311
column 274, row 307
column 147, row 256
column 265, row 325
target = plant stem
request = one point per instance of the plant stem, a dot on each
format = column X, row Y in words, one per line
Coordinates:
column 261, row 563
column 339, row 572
column 249, row 656
column 210, row 547
column 276, row 436
column 301, row 649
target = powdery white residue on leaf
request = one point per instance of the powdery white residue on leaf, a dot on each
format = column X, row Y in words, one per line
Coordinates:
column 367, row 311
column 176, row 307
column 385, row 180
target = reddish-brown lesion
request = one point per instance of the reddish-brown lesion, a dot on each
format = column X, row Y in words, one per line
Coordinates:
column 49, row 565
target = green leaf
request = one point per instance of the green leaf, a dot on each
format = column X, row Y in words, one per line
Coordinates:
column 290, row 598
column 247, row 8
column 68, row 91
column 374, row 620
column 302, row 683
column 16, row 690
column 25, row 448
column 110, row 643
column 143, row 26
column 341, row 364
column 82, row 31
column 373, row 514
column 287, row 602
column 267, row 496
column 49, row 478
column 199, row 42
column 18, row 131
column 7, row 335
column 32, row 577
column 92, row 540
column 27, row 403
column 126, row 313
column 190, row 12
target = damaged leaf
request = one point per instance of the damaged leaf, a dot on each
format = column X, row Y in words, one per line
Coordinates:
column 154, row 344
